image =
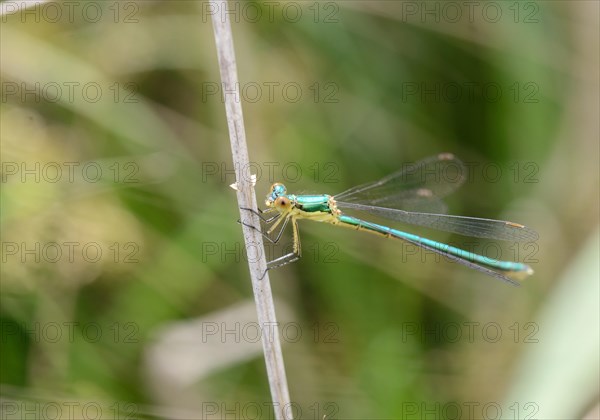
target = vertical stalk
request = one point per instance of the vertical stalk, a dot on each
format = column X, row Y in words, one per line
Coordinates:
column 247, row 199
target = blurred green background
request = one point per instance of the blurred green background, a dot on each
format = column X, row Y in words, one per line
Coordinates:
column 125, row 290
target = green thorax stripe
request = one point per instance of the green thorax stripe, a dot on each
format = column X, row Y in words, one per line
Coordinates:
column 312, row 203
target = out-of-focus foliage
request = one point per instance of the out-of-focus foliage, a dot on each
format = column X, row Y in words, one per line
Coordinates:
column 124, row 279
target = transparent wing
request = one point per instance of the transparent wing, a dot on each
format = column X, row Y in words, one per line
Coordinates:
column 468, row 226
column 417, row 186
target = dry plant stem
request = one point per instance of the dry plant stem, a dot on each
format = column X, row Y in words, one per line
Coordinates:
column 247, row 199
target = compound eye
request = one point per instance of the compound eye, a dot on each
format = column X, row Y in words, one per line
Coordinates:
column 283, row 203
column 277, row 189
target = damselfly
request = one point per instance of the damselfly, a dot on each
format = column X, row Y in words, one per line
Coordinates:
column 415, row 187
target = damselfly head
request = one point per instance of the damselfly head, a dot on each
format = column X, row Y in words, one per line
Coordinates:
column 277, row 190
